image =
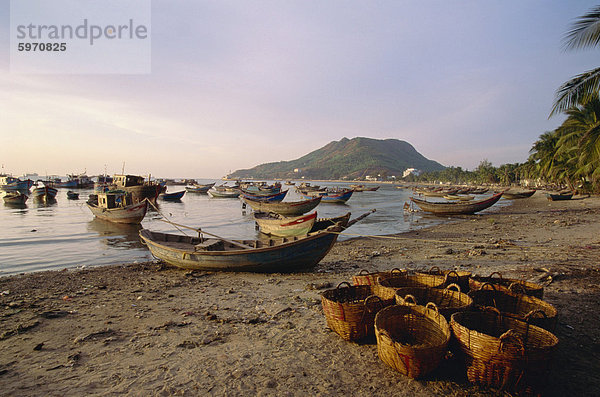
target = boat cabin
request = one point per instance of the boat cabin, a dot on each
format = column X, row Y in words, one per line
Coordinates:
column 112, row 200
column 128, row 180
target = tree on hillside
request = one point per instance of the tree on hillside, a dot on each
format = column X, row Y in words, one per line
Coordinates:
column 585, row 33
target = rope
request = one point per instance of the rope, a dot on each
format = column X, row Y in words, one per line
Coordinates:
column 168, row 221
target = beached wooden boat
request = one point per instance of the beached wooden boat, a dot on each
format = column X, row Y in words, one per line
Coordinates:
column 272, row 197
column 15, row 198
column 330, row 197
column 559, row 196
column 117, row 206
column 518, row 195
column 220, row 192
column 274, row 255
column 71, row 195
column 282, row 226
column 289, row 208
column 456, row 208
column 44, row 193
column 195, row 188
column 324, row 223
column 175, row 196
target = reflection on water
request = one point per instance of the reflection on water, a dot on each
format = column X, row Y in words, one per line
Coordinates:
column 116, row 235
column 22, row 207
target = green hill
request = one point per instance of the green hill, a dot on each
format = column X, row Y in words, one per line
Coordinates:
column 346, row 159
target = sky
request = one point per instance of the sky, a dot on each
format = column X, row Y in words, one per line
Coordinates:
column 234, row 84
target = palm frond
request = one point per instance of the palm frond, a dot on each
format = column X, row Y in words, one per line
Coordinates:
column 580, row 89
column 585, row 32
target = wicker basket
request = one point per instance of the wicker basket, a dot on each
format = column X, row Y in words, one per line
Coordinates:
column 452, row 277
column 503, row 352
column 507, row 284
column 365, row 278
column 411, row 339
column 387, row 287
column 524, row 307
column 350, row 310
column 448, row 300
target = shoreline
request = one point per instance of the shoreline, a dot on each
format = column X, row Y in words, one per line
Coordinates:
column 155, row 330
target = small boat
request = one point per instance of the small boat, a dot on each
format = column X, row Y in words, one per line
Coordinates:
column 117, row 206
column 10, row 183
column 282, row 226
column 330, row 197
column 456, row 208
column 458, row 197
column 274, row 197
column 71, row 195
column 290, row 183
column 196, row 188
column 363, row 188
column 559, row 196
column 288, row 208
column 223, row 192
column 44, row 193
column 324, row 223
column 518, row 195
column 175, row 196
column 15, row 198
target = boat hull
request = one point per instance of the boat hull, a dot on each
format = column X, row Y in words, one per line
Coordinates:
column 456, row 208
column 284, row 208
column 286, row 226
column 45, row 193
column 15, row 198
column 299, row 254
column 175, row 196
column 332, row 198
column 131, row 214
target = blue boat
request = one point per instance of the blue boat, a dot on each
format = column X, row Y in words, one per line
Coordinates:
column 329, row 197
column 175, row 196
column 272, row 198
column 11, row 184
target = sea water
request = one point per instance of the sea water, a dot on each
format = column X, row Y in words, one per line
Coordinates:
column 65, row 234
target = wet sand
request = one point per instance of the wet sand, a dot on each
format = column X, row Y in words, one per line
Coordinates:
column 149, row 329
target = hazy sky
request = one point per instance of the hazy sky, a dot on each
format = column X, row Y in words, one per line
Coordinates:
column 238, row 83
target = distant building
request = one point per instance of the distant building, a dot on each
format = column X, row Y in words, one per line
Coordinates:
column 370, row 178
column 297, row 170
column 409, row 171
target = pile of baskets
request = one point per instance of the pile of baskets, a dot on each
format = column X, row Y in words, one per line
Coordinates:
column 502, row 334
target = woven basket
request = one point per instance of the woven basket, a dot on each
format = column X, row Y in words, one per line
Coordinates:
column 524, row 307
column 386, row 289
column 448, row 300
column 503, row 352
column 452, row 277
column 507, row 284
column 411, row 339
column 350, row 310
column 365, row 278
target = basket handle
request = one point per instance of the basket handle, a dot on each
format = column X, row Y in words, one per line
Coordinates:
column 433, row 306
column 385, row 335
column 367, row 308
column 532, row 313
column 363, row 272
column 508, row 335
column 342, row 283
column 396, row 270
column 410, row 297
column 491, row 309
column 435, row 270
column 453, row 285
column 498, row 273
column 517, row 287
column 453, row 274
column 489, row 285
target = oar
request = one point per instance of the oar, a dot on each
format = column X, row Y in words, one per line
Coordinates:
column 210, row 234
column 353, row 221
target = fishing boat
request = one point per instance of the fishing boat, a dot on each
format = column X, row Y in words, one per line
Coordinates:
column 289, row 208
column 274, row 197
column 363, row 188
column 333, row 197
column 559, row 196
column 518, row 195
column 79, row 181
column 15, row 198
column 139, row 188
column 456, row 208
column 103, row 183
column 71, row 195
column 44, row 193
column 223, row 192
column 283, row 226
column 175, row 196
column 11, row 184
column 290, row 183
column 324, row 223
column 196, row 188
column 117, row 206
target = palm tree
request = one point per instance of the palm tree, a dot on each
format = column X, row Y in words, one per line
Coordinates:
column 585, row 33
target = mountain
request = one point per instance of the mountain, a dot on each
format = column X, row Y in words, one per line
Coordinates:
column 346, row 159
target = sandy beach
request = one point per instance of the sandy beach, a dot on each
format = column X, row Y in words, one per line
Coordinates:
column 149, row 329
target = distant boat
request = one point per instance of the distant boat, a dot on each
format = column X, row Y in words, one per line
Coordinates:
column 71, row 195
column 117, row 206
column 103, row 183
column 195, row 188
column 223, row 192
column 363, row 188
column 282, row 226
column 274, row 197
column 288, row 208
column 9, row 183
column 456, row 208
column 330, row 197
column 289, row 183
column 15, row 198
column 518, row 195
column 79, row 181
column 559, row 196
column 139, row 188
column 44, row 193
column 175, row 196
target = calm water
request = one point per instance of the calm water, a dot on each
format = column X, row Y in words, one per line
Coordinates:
column 65, row 234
